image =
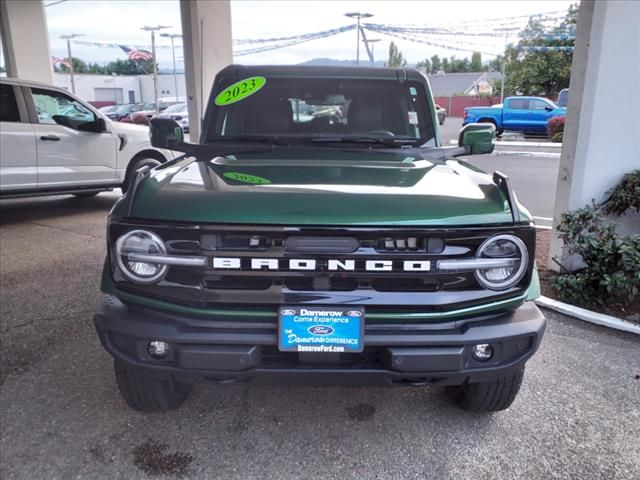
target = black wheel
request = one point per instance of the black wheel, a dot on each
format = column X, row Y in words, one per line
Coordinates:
column 499, row 132
column 491, row 396
column 85, row 194
column 148, row 394
column 136, row 165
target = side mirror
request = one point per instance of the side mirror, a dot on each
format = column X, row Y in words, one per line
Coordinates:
column 548, row 109
column 477, row 138
column 101, row 124
column 166, row 133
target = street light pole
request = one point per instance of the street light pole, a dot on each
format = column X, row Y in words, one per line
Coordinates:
column 358, row 15
column 173, row 56
column 155, row 66
column 68, row 39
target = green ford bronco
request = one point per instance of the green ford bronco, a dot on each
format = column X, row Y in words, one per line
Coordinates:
column 320, row 233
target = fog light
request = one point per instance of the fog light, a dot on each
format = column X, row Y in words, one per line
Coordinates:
column 482, row 352
column 158, row 349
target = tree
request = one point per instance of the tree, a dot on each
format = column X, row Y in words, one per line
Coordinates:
column 129, row 67
column 495, row 65
column 424, row 64
column 396, row 59
column 436, row 64
column 535, row 66
column 445, row 65
column 457, row 65
column 476, row 62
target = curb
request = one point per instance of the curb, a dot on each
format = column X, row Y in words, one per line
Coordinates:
column 530, row 144
column 588, row 315
column 527, row 154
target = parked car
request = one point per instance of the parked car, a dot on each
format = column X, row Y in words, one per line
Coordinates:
column 149, row 108
column 52, row 142
column 563, row 98
column 179, row 113
column 288, row 250
column 123, row 111
column 520, row 114
column 441, row 113
column 108, row 109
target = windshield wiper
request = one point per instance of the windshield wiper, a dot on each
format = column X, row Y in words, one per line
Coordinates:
column 387, row 141
column 249, row 138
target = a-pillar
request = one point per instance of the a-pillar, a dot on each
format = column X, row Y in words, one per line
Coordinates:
column 206, row 36
column 602, row 133
column 25, row 40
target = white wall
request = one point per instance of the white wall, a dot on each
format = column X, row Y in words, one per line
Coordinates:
column 166, row 86
column 25, row 40
column 602, row 134
column 609, row 141
column 212, row 22
column 141, row 85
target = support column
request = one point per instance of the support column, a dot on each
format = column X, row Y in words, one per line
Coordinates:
column 206, row 36
column 25, row 40
column 602, row 134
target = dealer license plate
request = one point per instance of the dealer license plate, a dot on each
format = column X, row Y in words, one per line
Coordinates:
column 321, row 329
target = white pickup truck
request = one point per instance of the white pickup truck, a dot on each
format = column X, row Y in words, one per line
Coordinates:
column 52, row 143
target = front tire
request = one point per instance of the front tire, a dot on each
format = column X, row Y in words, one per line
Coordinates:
column 490, row 396
column 148, row 394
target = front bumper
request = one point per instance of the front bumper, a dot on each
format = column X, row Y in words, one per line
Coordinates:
column 225, row 351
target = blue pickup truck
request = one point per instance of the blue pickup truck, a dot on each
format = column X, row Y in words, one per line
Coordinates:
column 520, row 114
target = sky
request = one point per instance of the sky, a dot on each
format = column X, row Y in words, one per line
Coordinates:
column 119, row 21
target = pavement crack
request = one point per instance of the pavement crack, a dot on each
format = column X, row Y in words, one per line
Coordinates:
column 68, row 230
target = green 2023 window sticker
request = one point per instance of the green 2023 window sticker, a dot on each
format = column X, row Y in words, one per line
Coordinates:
column 240, row 90
column 246, row 178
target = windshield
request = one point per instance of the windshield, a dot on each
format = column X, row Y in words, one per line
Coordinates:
column 301, row 109
column 178, row 107
column 124, row 109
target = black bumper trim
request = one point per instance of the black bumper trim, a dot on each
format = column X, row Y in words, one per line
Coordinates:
column 241, row 351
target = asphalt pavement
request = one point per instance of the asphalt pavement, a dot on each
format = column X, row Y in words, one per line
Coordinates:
column 61, row 417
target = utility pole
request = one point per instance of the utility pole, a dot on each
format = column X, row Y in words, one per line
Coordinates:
column 153, row 59
column 504, row 61
column 372, row 42
column 506, row 31
column 358, row 15
column 68, row 39
column 173, row 56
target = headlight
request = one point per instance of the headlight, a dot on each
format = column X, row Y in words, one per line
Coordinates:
column 512, row 257
column 140, row 242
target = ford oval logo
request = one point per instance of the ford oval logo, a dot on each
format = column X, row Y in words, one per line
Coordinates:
column 288, row 312
column 320, row 330
column 354, row 313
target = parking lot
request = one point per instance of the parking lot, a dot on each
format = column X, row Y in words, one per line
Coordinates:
column 577, row 416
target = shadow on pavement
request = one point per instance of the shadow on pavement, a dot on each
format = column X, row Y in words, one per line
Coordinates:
column 32, row 209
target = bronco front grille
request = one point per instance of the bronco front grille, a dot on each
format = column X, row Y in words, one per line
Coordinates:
column 364, row 266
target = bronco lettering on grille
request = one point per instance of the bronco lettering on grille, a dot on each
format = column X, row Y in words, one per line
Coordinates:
column 327, row 265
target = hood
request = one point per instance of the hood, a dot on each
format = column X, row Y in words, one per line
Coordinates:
column 317, row 187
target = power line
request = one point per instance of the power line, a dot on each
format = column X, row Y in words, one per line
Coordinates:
column 54, row 3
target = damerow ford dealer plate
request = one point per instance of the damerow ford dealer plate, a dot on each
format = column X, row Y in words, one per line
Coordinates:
column 321, row 329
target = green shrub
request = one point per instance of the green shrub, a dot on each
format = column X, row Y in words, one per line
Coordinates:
column 557, row 138
column 612, row 272
column 611, row 275
column 626, row 196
